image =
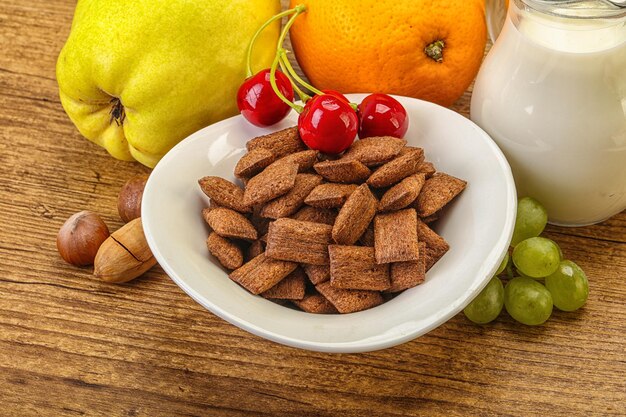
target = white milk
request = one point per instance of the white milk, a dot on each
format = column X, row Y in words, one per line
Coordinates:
column 552, row 94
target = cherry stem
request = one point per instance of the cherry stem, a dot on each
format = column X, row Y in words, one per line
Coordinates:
column 258, row 32
column 280, row 95
column 301, row 8
column 295, row 75
column 304, row 97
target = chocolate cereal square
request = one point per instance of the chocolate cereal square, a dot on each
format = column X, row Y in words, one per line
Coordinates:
column 438, row 191
column 432, row 218
column 395, row 236
column 316, row 304
column 375, row 150
column 224, row 193
column 262, row 273
column 316, row 215
column 261, row 224
column 292, row 287
column 330, row 195
column 227, row 253
column 345, row 171
column 427, row 168
column 405, row 275
column 317, row 273
column 355, row 215
column 274, row 181
column 304, row 159
column 367, row 238
column 397, row 169
column 281, row 143
column 255, row 249
column 355, row 268
column 349, row 301
column 298, row 241
column 253, row 162
column 229, row 223
column 436, row 246
column 289, row 203
column 402, row 194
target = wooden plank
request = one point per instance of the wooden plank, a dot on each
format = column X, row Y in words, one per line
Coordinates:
column 70, row 345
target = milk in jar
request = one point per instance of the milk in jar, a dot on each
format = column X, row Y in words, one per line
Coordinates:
column 552, row 94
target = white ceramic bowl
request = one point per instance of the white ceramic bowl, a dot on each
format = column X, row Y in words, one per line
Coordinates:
column 478, row 228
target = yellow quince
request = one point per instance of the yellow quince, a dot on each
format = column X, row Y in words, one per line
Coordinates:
column 138, row 76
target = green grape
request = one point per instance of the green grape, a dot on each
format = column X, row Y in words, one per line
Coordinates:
column 558, row 247
column 536, row 257
column 530, row 221
column 503, row 264
column 569, row 286
column 527, row 301
column 488, row 304
column 521, row 274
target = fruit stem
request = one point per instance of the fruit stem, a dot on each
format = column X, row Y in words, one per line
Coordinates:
column 277, row 90
column 509, row 270
column 295, row 75
column 301, row 8
column 258, row 32
column 435, row 50
column 304, row 97
column 285, row 65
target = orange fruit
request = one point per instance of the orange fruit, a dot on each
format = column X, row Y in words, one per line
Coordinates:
column 428, row 49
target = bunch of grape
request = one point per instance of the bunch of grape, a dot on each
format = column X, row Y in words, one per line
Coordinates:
column 534, row 258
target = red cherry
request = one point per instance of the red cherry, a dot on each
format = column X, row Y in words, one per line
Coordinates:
column 328, row 124
column 382, row 115
column 336, row 94
column 258, row 102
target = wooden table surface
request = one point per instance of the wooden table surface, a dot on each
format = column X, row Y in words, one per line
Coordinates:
column 70, row 345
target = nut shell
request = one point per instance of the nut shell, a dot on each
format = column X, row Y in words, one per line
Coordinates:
column 129, row 198
column 125, row 255
column 80, row 238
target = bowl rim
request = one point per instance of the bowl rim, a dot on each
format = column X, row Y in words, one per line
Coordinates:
column 363, row 345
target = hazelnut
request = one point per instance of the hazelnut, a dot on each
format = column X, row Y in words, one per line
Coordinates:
column 125, row 255
column 129, row 199
column 80, row 238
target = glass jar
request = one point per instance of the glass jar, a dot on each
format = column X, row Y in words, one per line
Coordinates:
column 552, row 94
column 495, row 14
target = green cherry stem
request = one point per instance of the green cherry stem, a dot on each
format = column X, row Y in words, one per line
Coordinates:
column 304, row 97
column 258, row 32
column 280, row 95
column 301, row 8
column 294, row 74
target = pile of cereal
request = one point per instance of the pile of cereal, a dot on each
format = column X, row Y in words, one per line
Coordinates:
column 328, row 235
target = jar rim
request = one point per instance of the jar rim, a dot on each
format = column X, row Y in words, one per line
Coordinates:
column 575, row 9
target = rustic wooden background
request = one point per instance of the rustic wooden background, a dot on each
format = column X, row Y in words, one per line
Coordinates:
column 70, row 345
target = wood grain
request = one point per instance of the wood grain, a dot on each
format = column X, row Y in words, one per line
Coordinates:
column 70, row 345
